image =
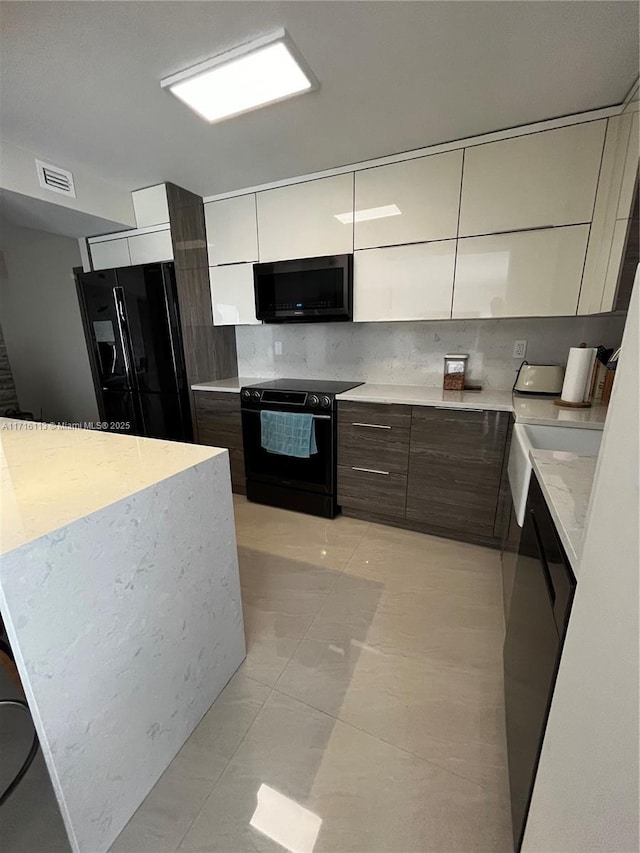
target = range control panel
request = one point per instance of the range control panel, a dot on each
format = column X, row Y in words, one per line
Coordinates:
column 267, row 398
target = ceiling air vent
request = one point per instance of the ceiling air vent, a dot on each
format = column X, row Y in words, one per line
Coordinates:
column 55, row 179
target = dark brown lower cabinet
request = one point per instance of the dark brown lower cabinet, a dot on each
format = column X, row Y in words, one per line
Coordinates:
column 432, row 469
column 541, row 598
column 455, row 469
column 219, row 424
column 373, row 491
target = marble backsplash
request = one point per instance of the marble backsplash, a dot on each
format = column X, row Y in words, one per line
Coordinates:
column 412, row 353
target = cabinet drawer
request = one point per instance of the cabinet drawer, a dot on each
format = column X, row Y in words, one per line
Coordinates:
column 216, row 401
column 380, row 493
column 222, row 429
column 374, row 415
column 363, row 446
column 218, row 418
column 475, row 435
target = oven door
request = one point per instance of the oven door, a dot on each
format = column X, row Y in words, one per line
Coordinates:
column 315, row 474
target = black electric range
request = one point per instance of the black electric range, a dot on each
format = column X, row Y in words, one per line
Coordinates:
column 302, row 484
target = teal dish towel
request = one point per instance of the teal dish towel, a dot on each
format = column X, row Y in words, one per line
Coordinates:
column 288, row 433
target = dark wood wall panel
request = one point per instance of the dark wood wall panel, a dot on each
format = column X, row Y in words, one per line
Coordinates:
column 210, row 351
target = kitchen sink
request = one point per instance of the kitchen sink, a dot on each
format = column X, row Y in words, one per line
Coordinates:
column 527, row 437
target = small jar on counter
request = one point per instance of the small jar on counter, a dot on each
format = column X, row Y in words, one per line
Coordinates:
column 455, row 366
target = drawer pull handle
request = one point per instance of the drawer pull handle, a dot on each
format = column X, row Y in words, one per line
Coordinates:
column 372, row 426
column 370, row 470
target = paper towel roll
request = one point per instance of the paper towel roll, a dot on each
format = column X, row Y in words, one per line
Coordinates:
column 578, row 374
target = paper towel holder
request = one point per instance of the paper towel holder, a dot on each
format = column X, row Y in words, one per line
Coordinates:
column 563, row 404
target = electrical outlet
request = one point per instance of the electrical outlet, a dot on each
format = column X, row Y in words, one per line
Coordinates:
column 277, row 347
column 519, row 349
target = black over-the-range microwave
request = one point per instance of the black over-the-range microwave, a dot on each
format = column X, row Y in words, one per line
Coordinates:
column 304, row 290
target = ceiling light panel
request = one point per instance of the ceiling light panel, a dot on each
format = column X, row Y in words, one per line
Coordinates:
column 259, row 73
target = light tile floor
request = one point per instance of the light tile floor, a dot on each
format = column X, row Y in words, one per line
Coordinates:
column 368, row 715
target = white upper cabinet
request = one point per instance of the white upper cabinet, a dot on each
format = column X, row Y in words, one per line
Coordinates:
column 151, row 248
column 521, row 274
column 532, row 181
column 412, row 282
column 151, row 206
column 232, row 295
column 147, row 248
column 232, row 230
column 630, row 171
column 618, row 177
column 306, row 220
column 408, row 202
column 110, row 254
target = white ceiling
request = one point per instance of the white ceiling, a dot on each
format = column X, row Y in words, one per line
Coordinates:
column 81, row 80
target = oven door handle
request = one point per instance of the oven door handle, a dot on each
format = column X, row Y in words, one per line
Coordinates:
column 257, row 412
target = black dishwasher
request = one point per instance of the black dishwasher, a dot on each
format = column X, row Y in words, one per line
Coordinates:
column 543, row 589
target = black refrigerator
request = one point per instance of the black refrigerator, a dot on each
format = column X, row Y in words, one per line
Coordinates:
column 132, row 326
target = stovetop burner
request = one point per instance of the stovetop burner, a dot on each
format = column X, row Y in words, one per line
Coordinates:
column 311, row 386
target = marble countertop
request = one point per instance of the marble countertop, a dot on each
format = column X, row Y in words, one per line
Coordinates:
column 420, row 395
column 233, row 385
column 410, row 395
column 52, row 475
column 566, row 480
column 527, row 410
column 541, row 410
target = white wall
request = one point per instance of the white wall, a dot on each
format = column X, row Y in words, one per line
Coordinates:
column 586, row 796
column 412, row 353
column 42, row 325
column 94, row 196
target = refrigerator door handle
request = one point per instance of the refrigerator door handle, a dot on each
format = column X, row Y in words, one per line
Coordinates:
column 177, row 358
column 127, row 350
column 121, row 318
column 172, row 344
column 124, row 343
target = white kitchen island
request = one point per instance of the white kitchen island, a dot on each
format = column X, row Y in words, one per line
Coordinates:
column 120, row 594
